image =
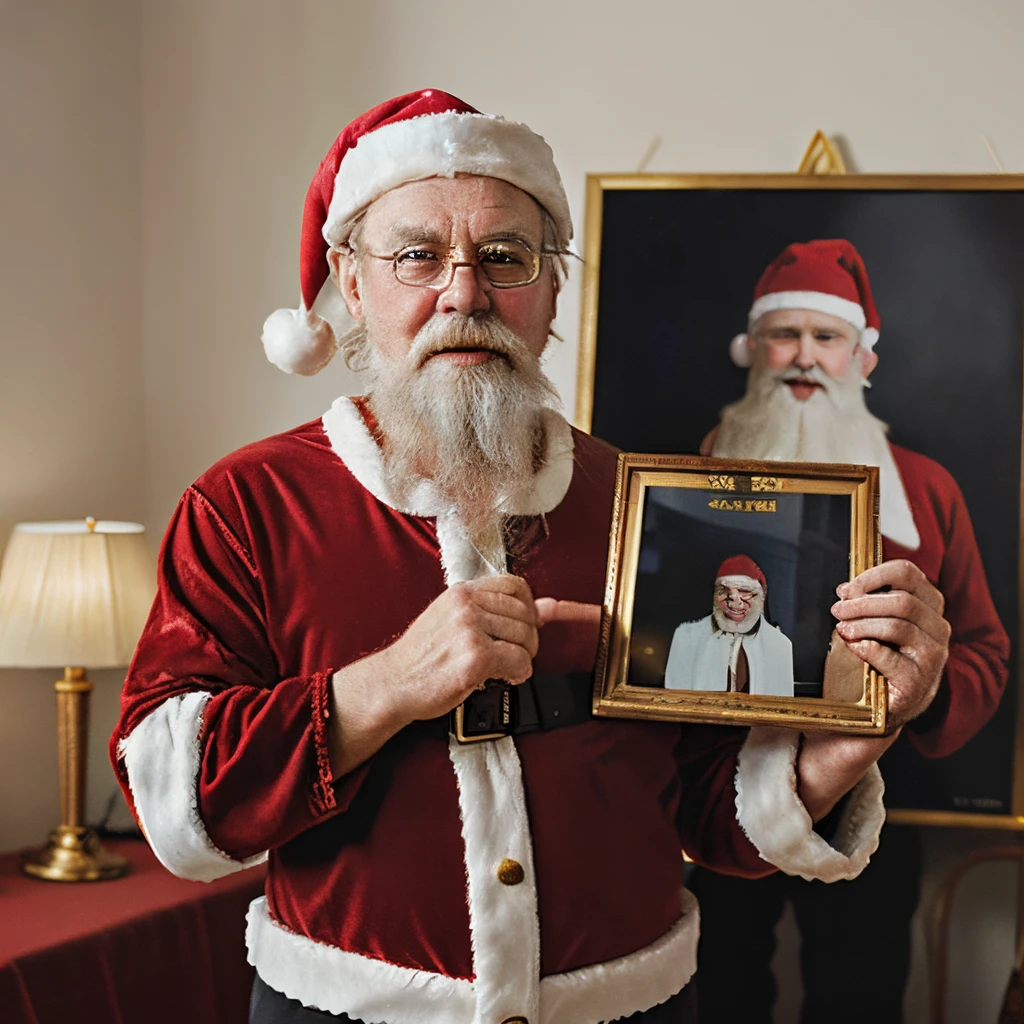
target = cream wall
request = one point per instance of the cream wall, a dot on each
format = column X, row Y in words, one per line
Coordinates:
column 187, row 133
column 71, row 443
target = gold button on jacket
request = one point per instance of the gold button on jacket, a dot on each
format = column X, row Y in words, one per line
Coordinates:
column 510, row 872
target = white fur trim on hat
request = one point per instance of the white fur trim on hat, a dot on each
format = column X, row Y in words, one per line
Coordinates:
column 775, row 820
column 443, row 145
column 747, row 582
column 820, row 302
column 161, row 756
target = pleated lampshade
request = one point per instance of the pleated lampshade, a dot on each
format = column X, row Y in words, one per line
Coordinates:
column 74, row 593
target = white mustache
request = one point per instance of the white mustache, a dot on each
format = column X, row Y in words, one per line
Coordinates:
column 815, row 374
column 450, row 332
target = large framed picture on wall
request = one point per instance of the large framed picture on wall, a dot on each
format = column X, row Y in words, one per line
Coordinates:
column 675, row 265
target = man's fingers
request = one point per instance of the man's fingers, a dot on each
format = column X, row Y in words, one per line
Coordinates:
column 894, row 605
column 512, row 606
column 900, row 632
column 510, row 630
column 550, row 610
column 898, row 574
column 506, row 583
column 510, row 662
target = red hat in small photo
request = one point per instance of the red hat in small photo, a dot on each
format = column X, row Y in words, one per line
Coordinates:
column 424, row 134
column 827, row 276
column 741, row 570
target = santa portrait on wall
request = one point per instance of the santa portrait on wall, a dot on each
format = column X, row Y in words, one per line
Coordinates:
column 810, row 348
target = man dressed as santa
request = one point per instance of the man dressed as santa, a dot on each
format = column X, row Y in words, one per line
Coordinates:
column 329, row 595
column 810, row 347
column 734, row 648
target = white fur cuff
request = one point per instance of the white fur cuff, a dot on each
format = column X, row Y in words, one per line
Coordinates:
column 162, row 758
column 775, row 820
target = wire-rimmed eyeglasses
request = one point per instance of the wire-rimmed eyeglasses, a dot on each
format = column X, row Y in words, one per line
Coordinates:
column 506, row 263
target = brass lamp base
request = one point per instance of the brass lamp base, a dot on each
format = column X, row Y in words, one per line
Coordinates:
column 74, row 854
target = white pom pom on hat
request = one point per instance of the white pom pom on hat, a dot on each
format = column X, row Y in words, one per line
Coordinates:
column 739, row 351
column 422, row 134
column 868, row 338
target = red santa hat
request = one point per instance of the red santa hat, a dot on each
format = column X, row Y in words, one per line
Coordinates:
column 423, row 134
column 741, row 571
column 826, row 275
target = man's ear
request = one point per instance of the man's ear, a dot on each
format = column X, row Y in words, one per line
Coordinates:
column 868, row 361
column 343, row 274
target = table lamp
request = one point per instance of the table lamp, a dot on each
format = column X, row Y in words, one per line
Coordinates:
column 73, row 594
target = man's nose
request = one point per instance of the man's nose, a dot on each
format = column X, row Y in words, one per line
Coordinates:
column 466, row 292
column 806, row 357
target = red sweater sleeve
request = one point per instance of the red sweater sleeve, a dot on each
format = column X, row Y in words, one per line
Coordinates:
column 979, row 649
column 706, row 819
column 264, row 773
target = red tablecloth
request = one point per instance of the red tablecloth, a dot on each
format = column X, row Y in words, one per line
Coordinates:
column 145, row 949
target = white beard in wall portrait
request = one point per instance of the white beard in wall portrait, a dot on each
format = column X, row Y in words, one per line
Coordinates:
column 832, row 425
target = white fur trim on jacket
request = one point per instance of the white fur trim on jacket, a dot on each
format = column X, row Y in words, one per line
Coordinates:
column 336, row 981
column 374, row 990
column 356, row 447
column 161, row 756
column 443, row 145
column 775, row 820
column 821, row 302
column 503, row 921
column 628, row 984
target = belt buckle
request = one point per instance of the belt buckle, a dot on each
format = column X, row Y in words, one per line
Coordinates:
column 488, row 714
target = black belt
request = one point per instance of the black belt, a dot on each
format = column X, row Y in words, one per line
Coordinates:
column 545, row 701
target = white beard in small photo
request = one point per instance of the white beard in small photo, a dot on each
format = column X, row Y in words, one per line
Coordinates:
column 744, row 625
column 476, row 430
column 832, row 425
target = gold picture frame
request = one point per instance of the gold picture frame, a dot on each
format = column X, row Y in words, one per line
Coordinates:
column 734, row 498
column 944, row 256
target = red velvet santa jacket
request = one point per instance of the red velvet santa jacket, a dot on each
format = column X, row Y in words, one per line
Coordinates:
column 290, row 559
column 979, row 648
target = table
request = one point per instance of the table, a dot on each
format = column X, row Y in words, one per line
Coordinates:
column 145, row 949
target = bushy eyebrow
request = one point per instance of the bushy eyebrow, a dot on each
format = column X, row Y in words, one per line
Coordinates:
column 403, row 233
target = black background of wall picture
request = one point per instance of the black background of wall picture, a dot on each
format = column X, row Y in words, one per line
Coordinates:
column 677, row 272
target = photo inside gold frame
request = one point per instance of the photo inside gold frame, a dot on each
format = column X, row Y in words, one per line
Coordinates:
column 736, row 490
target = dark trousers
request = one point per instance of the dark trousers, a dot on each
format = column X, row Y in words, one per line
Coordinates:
column 855, row 939
column 268, row 1006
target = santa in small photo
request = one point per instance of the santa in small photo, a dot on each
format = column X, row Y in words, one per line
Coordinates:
column 734, row 648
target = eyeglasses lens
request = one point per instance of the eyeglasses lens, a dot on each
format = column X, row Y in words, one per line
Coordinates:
column 505, row 263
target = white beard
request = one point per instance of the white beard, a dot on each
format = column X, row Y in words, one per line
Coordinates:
column 745, row 625
column 833, row 425
column 475, row 431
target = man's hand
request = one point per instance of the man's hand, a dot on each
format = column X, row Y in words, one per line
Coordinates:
column 901, row 633
column 485, row 629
